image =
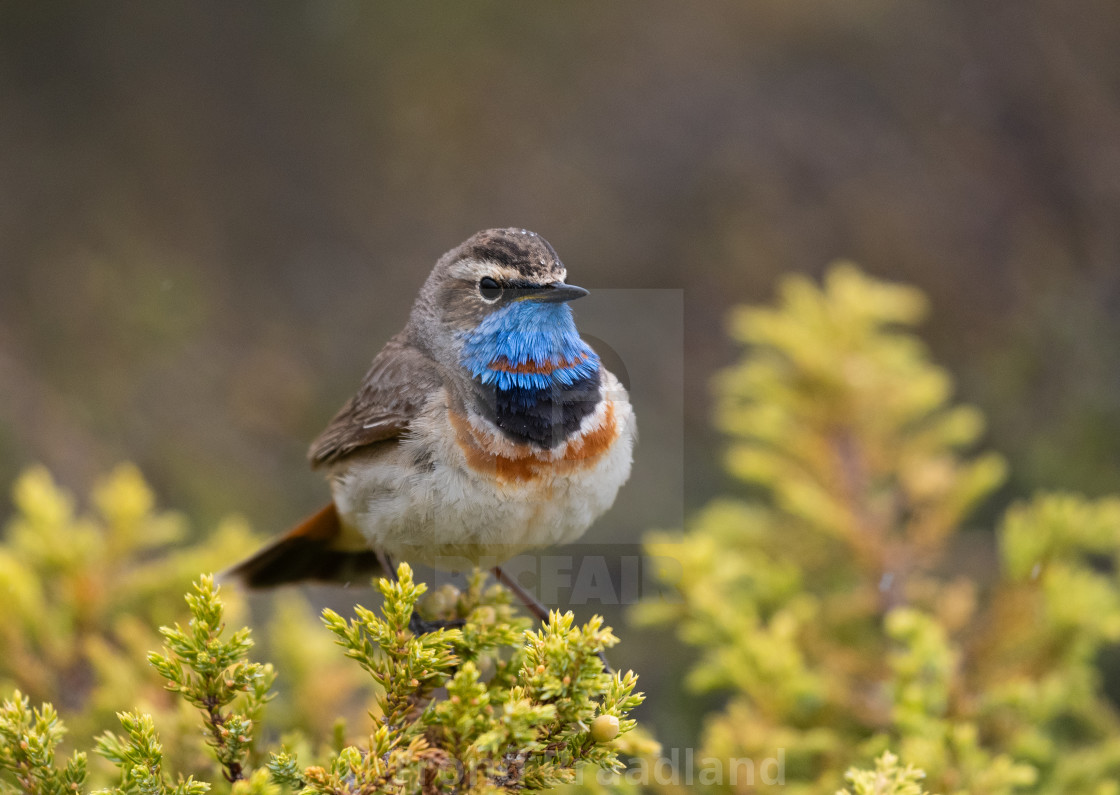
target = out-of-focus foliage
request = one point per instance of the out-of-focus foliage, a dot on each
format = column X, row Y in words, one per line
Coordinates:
column 84, row 594
column 888, row 778
column 824, row 606
column 487, row 707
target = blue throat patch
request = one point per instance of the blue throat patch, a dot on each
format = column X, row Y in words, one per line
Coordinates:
column 524, row 334
column 542, row 378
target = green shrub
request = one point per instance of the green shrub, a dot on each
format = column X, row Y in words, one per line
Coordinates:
column 843, row 611
column 487, row 707
column 840, row 609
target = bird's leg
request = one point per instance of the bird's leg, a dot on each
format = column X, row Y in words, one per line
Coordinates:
column 533, row 605
column 386, row 564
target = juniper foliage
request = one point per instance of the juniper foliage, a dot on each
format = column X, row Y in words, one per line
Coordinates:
column 839, row 605
column 834, row 610
column 488, row 707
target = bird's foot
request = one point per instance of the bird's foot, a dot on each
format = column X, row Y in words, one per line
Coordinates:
column 424, row 626
column 606, row 665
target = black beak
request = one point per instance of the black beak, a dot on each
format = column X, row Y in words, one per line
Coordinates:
column 554, row 293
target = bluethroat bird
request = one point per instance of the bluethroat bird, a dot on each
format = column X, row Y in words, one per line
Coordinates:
column 485, row 428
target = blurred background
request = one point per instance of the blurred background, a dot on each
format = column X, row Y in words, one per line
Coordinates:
column 212, row 216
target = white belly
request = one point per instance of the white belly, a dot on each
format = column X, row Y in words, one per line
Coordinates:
column 484, row 504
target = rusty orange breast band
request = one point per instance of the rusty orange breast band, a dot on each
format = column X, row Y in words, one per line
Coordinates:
column 502, row 364
column 486, row 452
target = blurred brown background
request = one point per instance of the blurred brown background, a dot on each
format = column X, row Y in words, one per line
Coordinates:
column 212, row 215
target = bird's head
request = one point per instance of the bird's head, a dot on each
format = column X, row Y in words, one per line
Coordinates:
column 498, row 306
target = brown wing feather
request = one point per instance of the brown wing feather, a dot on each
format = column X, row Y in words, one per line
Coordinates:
column 393, row 392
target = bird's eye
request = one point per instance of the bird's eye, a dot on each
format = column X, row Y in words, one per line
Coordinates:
column 489, row 289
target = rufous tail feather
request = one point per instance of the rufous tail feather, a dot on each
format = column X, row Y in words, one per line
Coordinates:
column 311, row 552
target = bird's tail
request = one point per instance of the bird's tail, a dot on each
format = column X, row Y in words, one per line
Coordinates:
column 313, row 551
